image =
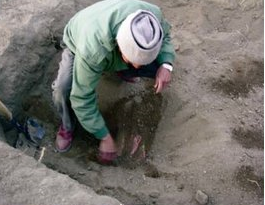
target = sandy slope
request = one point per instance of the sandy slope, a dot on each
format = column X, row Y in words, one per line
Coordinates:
column 208, row 135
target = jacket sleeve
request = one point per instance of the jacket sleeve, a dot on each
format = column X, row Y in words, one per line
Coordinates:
column 167, row 52
column 83, row 97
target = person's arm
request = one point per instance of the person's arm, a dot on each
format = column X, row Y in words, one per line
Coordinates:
column 167, row 52
column 83, row 97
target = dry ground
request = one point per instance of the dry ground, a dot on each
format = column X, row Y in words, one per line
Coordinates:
column 205, row 132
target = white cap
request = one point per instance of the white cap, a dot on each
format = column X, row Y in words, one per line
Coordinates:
column 140, row 37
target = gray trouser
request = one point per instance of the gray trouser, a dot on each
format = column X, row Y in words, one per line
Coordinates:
column 62, row 88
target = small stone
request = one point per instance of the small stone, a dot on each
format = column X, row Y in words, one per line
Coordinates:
column 168, row 186
column 177, row 47
column 201, row 197
column 154, row 194
column 180, row 187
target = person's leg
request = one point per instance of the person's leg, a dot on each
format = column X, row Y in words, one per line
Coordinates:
column 148, row 71
column 61, row 92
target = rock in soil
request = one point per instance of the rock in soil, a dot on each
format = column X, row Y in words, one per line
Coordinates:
column 201, row 197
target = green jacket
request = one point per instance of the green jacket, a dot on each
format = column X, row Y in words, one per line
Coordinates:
column 90, row 35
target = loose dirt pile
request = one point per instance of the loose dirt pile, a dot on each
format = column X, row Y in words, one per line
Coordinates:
column 203, row 135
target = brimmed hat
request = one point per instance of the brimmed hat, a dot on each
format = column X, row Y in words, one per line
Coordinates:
column 140, row 37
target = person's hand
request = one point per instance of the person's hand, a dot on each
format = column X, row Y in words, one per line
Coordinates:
column 107, row 144
column 163, row 77
column 107, row 150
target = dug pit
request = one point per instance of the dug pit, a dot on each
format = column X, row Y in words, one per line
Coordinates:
column 185, row 137
column 133, row 121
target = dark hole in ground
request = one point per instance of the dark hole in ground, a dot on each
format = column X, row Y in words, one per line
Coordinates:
column 136, row 114
column 39, row 108
column 132, row 116
column 249, row 138
column 128, row 117
column 249, row 181
column 244, row 75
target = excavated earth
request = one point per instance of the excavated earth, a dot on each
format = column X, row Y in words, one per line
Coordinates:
column 202, row 138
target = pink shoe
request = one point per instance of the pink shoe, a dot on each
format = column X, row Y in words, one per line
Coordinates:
column 63, row 140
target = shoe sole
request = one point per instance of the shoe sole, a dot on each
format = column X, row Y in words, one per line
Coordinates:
column 63, row 150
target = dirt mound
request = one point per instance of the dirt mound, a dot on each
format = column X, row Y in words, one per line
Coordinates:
column 205, row 132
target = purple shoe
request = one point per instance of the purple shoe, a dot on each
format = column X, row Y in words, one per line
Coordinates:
column 63, row 140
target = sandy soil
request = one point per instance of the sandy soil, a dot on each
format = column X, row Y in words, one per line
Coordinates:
column 205, row 132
